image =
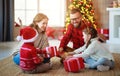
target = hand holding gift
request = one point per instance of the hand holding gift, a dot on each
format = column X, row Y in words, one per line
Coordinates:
column 50, row 51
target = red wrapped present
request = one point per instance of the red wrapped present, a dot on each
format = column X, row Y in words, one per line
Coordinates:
column 74, row 64
column 49, row 52
column 105, row 32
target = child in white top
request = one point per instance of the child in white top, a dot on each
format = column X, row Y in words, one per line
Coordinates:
column 94, row 53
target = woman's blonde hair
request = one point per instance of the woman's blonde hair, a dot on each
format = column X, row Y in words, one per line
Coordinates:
column 39, row 17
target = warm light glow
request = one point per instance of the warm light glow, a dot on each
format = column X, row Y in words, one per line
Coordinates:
column 86, row 8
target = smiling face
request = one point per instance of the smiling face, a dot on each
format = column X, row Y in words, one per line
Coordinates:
column 75, row 19
column 86, row 37
column 89, row 33
column 42, row 24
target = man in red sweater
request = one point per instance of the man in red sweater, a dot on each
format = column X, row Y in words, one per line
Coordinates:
column 74, row 32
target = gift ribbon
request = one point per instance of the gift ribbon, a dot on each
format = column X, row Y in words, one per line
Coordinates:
column 55, row 52
column 47, row 51
column 102, row 31
column 68, row 64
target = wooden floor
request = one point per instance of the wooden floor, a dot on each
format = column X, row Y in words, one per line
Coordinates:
column 8, row 68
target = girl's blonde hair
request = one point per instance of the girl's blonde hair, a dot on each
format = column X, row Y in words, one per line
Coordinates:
column 39, row 17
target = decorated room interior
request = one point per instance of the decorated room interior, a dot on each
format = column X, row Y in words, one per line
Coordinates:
column 103, row 15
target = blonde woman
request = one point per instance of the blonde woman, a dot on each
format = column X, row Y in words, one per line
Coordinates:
column 40, row 22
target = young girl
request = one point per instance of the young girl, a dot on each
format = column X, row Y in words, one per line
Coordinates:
column 94, row 53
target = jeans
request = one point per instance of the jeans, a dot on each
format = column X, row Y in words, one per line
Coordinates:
column 101, row 61
column 16, row 59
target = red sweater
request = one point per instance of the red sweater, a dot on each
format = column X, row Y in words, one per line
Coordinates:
column 75, row 35
column 28, row 57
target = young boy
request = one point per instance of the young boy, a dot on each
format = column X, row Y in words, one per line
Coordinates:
column 30, row 62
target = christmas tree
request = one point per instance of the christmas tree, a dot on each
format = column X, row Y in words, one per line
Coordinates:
column 86, row 9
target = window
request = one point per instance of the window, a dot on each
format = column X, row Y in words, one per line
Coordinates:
column 25, row 10
column 54, row 9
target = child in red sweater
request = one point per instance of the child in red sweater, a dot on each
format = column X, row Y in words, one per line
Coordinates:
column 30, row 62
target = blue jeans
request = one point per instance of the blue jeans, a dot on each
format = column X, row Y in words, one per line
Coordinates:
column 101, row 61
column 16, row 59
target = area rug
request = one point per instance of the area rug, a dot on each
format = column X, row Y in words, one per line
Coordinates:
column 8, row 68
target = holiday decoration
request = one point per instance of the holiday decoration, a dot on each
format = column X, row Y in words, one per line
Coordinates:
column 86, row 9
column 16, row 24
column 27, row 34
column 74, row 64
column 103, row 34
column 118, row 3
column 50, row 51
column 115, row 5
column 50, row 32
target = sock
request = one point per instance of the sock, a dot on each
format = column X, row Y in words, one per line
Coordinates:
column 103, row 68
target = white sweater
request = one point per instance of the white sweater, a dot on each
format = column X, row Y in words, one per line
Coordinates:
column 95, row 50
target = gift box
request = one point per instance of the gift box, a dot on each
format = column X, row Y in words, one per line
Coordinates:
column 49, row 52
column 73, row 64
column 105, row 32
